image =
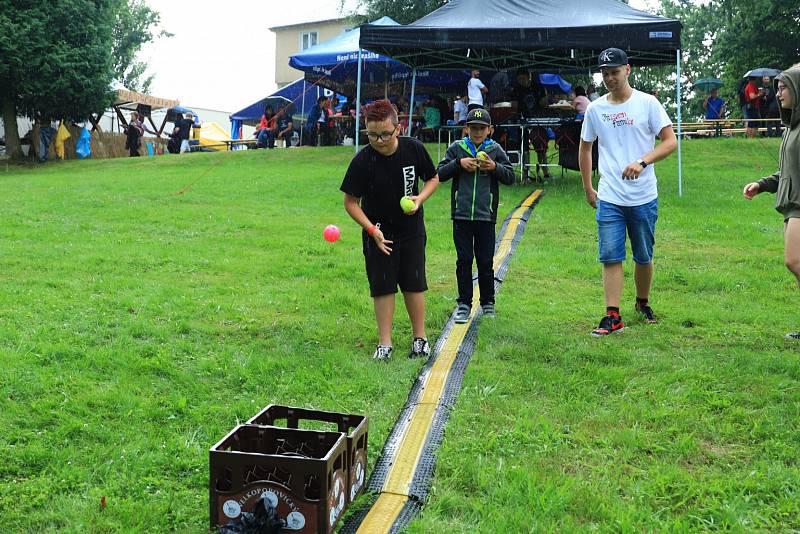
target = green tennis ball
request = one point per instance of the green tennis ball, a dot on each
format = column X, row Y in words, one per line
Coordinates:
column 483, row 155
column 407, row 205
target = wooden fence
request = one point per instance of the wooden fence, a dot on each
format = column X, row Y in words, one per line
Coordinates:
column 103, row 145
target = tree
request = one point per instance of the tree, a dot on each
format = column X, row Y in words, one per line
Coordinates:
column 133, row 28
column 58, row 59
column 726, row 38
column 755, row 33
column 403, row 11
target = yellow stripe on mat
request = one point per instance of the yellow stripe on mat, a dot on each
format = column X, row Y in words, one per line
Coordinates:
column 394, row 495
column 383, row 513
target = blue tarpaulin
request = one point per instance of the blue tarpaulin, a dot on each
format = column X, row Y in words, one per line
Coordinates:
column 555, row 80
column 83, row 148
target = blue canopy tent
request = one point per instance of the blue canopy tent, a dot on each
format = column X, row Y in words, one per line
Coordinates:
column 334, row 64
column 301, row 94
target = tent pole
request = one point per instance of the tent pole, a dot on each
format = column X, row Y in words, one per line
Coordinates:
column 411, row 105
column 302, row 112
column 358, row 99
column 678, row 94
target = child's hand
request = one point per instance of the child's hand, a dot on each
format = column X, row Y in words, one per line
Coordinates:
column 751, row 190
column 469, row 164
column 488, row 164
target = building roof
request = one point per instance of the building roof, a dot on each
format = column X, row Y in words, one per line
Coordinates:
column 285, row 26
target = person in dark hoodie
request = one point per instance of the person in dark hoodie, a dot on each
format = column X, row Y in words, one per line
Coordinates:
column 786, row 182
column 477, row 165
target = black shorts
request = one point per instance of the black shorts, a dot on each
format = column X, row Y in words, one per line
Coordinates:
column 404, row 267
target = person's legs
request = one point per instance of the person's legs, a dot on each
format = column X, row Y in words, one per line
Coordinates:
column 262, row 138
column 463, row 240
column 415, row 306
column 542, row 156
column 484, row 256
column 413, row 284
column 539, row 141
column 611, row 245
column 382, row 275
column 643, row 278
column 612, row 283
column 791, row 239
column 641, row 222
column 384, row 312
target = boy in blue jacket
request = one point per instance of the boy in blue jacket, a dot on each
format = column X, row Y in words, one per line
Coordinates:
column 477, row 165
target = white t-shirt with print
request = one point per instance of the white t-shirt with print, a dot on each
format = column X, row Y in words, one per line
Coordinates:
column 474, row 91
column 625, row 133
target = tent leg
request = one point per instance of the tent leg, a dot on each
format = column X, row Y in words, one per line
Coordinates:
column 411, row 105
column 358, row 100
column 678, row 95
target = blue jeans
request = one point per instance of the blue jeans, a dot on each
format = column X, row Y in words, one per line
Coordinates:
column 639, row 222
column 266, row 138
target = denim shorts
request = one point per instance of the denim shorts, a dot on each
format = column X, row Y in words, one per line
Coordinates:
column 639, row 222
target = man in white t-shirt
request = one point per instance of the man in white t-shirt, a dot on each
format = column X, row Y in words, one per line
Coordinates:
column 625, row 123
column 475, row 91
column 460, row 110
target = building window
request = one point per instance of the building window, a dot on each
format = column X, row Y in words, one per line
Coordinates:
column 308, row 39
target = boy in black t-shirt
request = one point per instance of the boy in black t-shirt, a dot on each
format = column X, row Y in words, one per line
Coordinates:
column 380, row 175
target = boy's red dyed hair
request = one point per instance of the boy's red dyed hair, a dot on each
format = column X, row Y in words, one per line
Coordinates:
column 380, row 110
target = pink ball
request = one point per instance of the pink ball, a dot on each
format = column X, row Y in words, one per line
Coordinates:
column 331, row 233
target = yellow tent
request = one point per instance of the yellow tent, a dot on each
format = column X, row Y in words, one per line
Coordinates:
column 212, row 136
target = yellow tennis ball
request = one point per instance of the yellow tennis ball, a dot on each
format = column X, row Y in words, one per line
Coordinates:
column 407, row 205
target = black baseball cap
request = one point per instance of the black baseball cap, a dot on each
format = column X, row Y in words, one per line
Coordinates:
column 479, row 116
column 612, row 57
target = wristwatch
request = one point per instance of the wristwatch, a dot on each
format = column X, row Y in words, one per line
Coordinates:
column 642, row 162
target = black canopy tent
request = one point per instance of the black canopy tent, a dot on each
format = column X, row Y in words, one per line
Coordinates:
column 545, row 35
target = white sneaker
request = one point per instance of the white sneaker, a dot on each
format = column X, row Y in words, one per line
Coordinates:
column 420, row 348
column 382, row 352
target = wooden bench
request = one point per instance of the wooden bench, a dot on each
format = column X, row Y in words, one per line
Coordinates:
column 227, row 143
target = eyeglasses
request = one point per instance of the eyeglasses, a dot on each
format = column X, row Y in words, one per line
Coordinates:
column 383, row 136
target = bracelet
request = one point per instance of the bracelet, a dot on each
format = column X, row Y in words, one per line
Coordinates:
column 371, row 230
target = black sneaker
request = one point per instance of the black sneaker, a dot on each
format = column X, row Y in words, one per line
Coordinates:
column 488, row 309
column 382, row 352
column 462, row 314
column 646, row 312
column 792, row 335
column 609, row 325
column 420, row 348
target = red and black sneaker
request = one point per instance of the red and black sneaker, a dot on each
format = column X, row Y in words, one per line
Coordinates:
column 646, row 313
column 609, row 325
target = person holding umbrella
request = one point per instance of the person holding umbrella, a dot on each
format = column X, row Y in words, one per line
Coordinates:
column 714, row 105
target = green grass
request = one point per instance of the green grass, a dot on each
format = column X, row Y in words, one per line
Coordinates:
column 137, row 326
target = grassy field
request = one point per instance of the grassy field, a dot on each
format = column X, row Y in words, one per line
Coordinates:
column 138, row 325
